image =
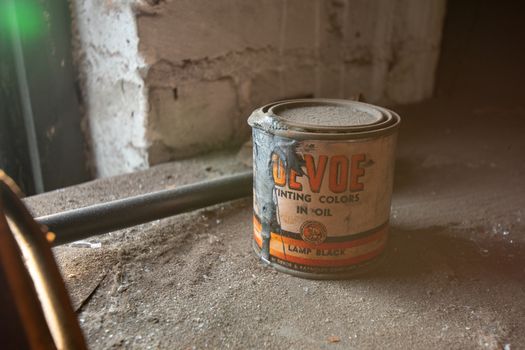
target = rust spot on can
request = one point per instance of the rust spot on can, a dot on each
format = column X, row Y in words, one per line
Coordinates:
column 323, row 177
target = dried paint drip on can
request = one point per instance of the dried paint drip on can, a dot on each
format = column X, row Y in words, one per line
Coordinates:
column 323, row 177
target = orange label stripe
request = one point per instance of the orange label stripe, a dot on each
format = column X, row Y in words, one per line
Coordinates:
column 317, row 262
column 346, row 253
column 337, row 245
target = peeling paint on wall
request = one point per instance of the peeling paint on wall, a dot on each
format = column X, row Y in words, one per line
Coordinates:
column 115, row 97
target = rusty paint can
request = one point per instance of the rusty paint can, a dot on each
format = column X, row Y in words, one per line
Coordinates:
column 323, row 177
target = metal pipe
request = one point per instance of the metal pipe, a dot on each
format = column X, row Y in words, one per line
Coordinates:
column 97, row 219
column 24, row 299
column 38, row 284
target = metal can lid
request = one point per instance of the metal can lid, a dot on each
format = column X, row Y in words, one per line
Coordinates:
column 327, row 114
column 305, row 117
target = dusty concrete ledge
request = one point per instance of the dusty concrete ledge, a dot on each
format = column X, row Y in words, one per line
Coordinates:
column 454, row 276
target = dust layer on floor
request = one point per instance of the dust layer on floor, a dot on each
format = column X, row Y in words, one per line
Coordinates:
column 453, row 277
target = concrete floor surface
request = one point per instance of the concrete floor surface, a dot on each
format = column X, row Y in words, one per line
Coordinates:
column 453, row 277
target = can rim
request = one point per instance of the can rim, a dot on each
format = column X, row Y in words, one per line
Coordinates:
column 268, row 119
column 378, row 115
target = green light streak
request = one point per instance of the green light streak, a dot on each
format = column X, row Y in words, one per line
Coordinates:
column 25, row 16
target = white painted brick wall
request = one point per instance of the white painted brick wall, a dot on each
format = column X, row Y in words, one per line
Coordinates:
column 114, row 92
column 201, row 66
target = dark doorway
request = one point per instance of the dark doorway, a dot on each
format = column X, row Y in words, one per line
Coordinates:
column 38, row 93
column 483, row 51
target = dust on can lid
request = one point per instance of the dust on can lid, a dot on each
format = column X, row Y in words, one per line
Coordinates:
column 323, row 116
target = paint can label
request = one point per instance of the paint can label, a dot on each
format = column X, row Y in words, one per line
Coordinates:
column 332, row 202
